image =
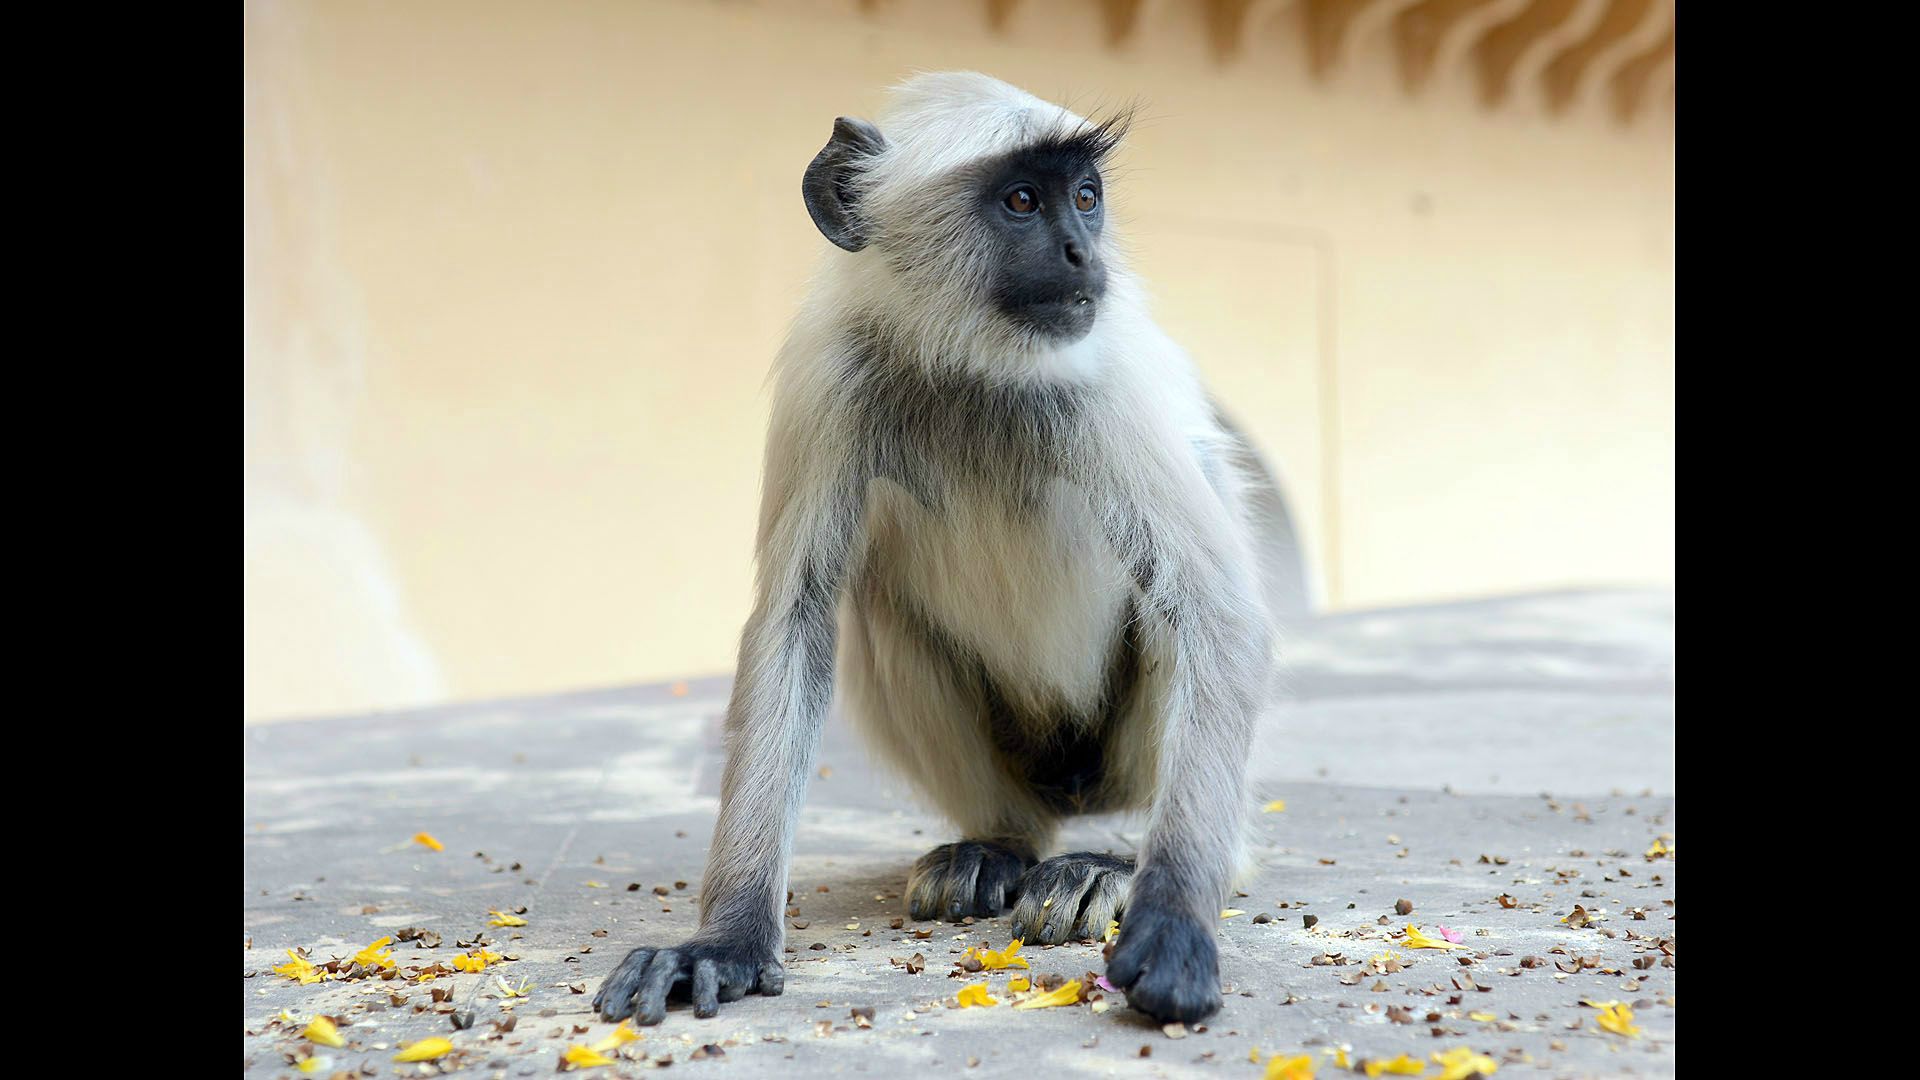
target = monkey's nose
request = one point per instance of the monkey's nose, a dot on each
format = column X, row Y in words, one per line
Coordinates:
column 1075, row 257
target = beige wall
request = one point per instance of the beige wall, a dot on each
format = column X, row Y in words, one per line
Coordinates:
column 515, row 272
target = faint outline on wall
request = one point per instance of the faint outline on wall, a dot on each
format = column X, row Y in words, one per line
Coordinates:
column 324, row 623
column 1326, row 373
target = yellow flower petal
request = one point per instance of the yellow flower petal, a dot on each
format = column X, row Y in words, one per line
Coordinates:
column 975, row 995
column 1659, row 848
column 1067, row 994
column 1228, row 913
column 316, row 1063
column 501, row 918
column 425, row 1050
column 1460, row 1063
column 1339, row 1056
column 1274, row 807
column 1484, row 1018
column 508, row 991
column 621, row 1036
column 1400, row 1066
column 372, row 957
column 1289, row 1068
column 300, row 970
column 1113, row 927
column 1616, row 1018
column 478, row 960
column 996, row 961
column 1418, row 940
column 582, row 1058
column 323, row 1032
column 427, row 840
column 1018, row 984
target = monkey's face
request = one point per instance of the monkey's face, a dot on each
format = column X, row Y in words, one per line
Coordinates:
column 1040, row 213
column 1010, row 239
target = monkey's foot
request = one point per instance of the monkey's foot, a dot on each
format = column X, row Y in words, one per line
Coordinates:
column 706, row 972
column 967, row 877
column 1167, row 962
column 1071, row 897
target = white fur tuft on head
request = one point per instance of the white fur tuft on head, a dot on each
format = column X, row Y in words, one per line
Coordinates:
column 940, row 121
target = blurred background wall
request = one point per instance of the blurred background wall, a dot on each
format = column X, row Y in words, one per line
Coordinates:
column 514, row 274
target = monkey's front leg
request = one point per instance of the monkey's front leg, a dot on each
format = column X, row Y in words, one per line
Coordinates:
column 773, row 730
column 736, row 951
column 1213, row 669
column 1165, row 957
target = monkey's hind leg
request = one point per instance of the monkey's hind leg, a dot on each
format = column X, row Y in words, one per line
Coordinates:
column 923, row 710
column 1071, row 897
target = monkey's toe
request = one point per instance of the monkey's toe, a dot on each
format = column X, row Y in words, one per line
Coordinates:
column 967, row 877
column 1071, row 897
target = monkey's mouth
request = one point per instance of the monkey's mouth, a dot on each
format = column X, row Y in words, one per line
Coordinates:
column 1064, row 318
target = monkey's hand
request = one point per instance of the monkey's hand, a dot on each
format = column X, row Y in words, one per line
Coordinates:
column 1166, row 961
column 708, row 972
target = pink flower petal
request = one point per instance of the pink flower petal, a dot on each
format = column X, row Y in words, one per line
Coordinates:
column 1454, row 936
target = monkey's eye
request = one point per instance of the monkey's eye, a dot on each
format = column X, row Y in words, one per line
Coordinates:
column 1086, row 199
column 1022, row 200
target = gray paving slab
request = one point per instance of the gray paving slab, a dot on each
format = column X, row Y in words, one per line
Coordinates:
column 1536, row 732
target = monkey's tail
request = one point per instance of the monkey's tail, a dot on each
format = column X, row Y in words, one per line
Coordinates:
column 1283, row 573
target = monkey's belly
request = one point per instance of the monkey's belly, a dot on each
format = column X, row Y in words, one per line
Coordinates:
column 1031, row 593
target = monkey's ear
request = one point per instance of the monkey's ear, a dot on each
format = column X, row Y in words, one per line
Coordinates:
column 828, row 186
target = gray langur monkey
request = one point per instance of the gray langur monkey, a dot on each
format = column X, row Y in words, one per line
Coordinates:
column 999, row 502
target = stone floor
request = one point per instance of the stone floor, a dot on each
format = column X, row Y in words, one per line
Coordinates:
column 1448, row 756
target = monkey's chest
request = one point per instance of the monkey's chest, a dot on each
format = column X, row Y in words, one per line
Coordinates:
column 1031, row 590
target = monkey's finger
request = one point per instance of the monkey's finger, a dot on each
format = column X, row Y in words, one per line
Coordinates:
column 614, row 1002
column 1128, row 961
column 1106, row 898
column 615, row 1005
column 734, row 991
column 1027, row 913
column 1095, row 917
column 966, row 870
column 923, row 886
column 1062, row 915
column 993, row 893
column 773, row 978
column 662, row 972
column 706, row 988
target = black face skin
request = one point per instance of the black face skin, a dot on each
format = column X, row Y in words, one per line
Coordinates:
column 1043, row 208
